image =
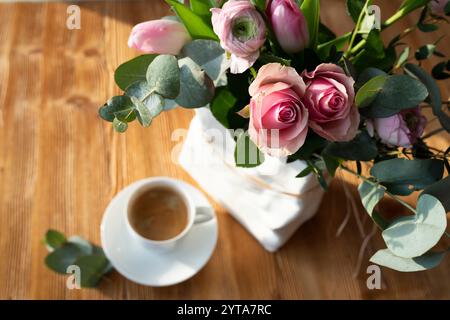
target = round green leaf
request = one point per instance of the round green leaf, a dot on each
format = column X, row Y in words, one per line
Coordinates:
column 119, row 107
column 197, row 88
column 54, row 239
column 147, row 103
column 370, row 195
column 132, row 71
column 63, row 257
column 92, row 269
column 120, row 126
column 163, row 76
column 412, row 236
column 369, row 91
column 82, row 244
column 427, row 261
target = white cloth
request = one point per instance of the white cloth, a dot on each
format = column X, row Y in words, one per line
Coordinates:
column 263, row 198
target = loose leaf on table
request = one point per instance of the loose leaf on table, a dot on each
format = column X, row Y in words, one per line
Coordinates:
column 434, row 96
column 195, row 25
column 163, row 76
column 132, row 70
column 311, row 10
column 224, row 109
column 63, row 257
column 384, row 96
column 82, row 244
column 246, row 153
column 427, row 261
column 403, row 176
column 361, row 148
column 197, row 88
column 412, row 236
column 210, row 56
column 54, row 239
column 93, row 268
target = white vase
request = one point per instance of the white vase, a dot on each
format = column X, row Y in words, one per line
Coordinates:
column 267, row 200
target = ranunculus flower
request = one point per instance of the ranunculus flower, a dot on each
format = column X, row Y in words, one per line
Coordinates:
column 437, row 7
column 402, row 129
column 329, row 98
column 162, row 36
column 289, row 25
column 278, row 119
column 241, row 31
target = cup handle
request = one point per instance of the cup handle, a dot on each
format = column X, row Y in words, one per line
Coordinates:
column 203, row 214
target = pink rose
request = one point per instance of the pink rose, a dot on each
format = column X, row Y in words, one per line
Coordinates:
column 402, row 129
column 329, row 98
column 289, row 25
column 278, row 119
column 241, row 31
column 437, row 7
column 159, row 36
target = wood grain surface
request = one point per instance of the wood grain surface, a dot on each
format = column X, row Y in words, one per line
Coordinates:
column 60, row 165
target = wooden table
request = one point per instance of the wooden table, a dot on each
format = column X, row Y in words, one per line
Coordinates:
column 60, row 165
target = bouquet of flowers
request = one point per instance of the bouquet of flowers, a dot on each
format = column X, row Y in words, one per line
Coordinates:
column 290, row 87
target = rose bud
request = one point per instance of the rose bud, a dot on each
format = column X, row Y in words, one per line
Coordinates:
column 242, row 32
column 289, row 25
column 278, row 120
column 162, row 36
column 402, row 129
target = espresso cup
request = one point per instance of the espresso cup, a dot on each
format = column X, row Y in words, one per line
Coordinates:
column 195, row 214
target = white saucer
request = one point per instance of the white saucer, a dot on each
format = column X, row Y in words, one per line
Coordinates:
column 156, row 268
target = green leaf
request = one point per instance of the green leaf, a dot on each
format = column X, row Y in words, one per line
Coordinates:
column 434, row 93
column 313, row 143
column 440, row 190
column 439, row 71
column 366, row 75
column 259, row 4
column 370, row 195
column 413, row 236
column 305, row 172
column 195, row 25
column 224, row 109
column 331, row 164
column 210, row 56
column 246, row 153
column 133, row 70
column 63, row 257
column 354, row 8
column 404, row 55
column 119, row 126
column 427, row 261
column 54, row 239
column 361, row 148
column 384, row 96
column 311, row 10
column 323, row 49
column 197, row 88
column 148, row 105
column 92, row 269
column 201, row 8
column 325, row 34
column 119, row 107
column 403, row 176
column 163, row 76
column 82, row 244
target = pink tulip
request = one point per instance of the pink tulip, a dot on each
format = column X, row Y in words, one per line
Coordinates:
column 289, row 25
column 159, row 36
column 402, row 129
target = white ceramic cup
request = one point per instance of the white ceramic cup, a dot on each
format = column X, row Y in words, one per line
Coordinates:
column 196, row 215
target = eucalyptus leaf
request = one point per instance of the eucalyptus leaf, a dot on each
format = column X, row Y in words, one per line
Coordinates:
column 92, row 269
column 370, row 195
column 119, row 126
column 413, row 236
column 210, row 56
column 440, row 190
column 119, row 107
column 163, row 76
column 133, row 70
column 147, row 103
column 404, row 55
column 63, row 257
column 427, row 261
column 197, row 88
column 403, row 176
column 368, row 74
column 384, row 96
column 85, row 246
column 54, row 239
column 362, row 148
column 434, row 93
